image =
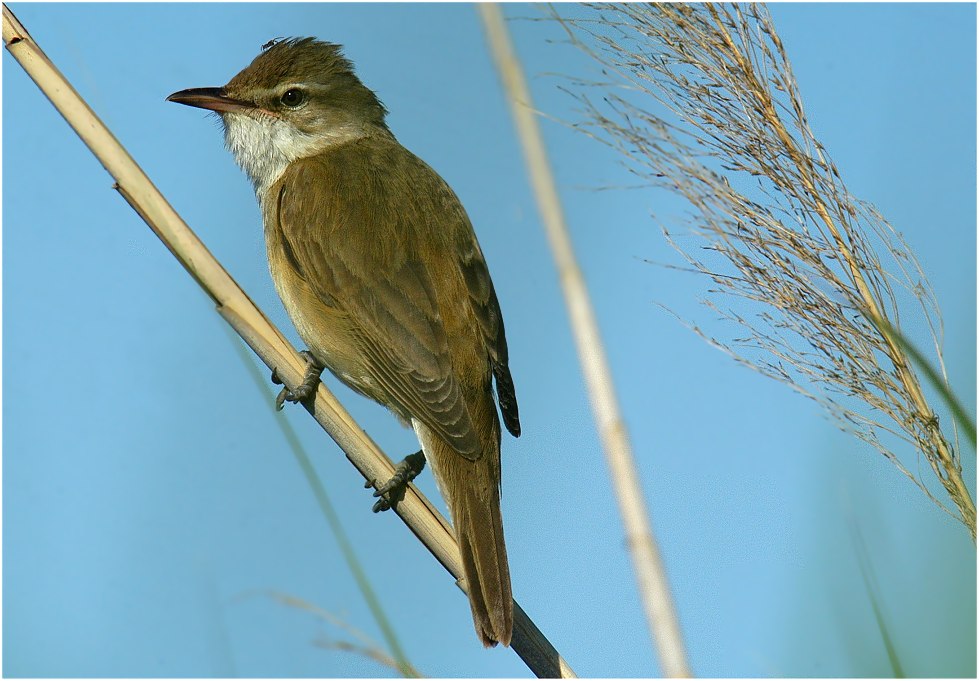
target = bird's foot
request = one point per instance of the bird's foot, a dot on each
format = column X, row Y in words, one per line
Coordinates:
column 393, row 491
column 303, row 391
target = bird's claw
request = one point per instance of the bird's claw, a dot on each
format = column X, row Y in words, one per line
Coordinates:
column 303, row 391
column 393, row 491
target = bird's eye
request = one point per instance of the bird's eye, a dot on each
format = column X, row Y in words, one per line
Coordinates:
column 293, row 97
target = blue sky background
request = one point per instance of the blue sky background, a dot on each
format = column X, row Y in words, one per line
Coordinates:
column 150, row 501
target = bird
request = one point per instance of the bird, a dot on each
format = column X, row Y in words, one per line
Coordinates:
column 378, row 266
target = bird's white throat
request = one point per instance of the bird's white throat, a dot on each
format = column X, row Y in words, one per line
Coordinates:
column 265, row 145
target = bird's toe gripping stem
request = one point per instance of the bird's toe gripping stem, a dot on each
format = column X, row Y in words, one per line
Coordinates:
column 393, row 491
column 311, row 379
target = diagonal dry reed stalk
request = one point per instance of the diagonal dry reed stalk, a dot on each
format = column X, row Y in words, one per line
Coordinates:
column 653, row 585
column 702, row 101
column 421, row 517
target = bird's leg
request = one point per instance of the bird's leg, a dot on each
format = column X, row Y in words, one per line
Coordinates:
column 393, row 491
column 311, row 379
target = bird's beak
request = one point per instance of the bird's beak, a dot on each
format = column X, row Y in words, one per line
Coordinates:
column 212, row 98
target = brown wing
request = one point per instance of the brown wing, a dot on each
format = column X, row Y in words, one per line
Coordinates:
column 486, row 309
column 346, row 223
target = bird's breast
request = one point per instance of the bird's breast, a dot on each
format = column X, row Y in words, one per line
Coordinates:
column 327, row 331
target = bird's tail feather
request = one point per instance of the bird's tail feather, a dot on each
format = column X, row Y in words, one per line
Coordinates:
column 472, row 492
column 479, row 529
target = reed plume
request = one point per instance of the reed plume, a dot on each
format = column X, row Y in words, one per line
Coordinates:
column 701, row 100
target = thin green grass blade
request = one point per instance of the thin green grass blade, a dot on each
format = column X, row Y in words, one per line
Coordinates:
column 870, row 584
column 938, row 383
column 332, row 519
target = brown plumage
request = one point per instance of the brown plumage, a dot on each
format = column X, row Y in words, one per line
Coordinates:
column 380, row 313
column 378, row 266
